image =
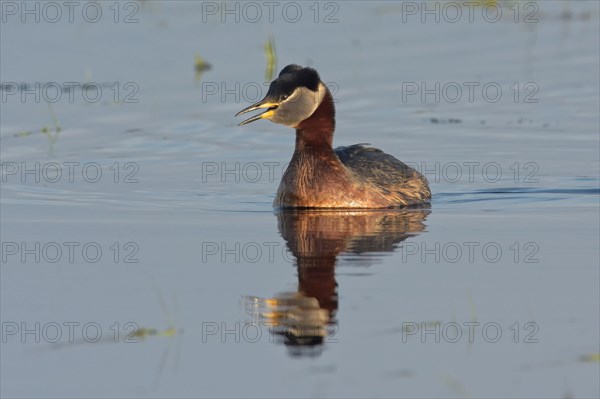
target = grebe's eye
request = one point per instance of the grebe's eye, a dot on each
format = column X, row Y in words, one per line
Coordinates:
column 285, row 96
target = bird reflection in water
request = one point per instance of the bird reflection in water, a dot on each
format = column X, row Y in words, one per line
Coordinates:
column 304, row 319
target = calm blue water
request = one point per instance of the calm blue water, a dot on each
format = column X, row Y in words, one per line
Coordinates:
column 147, row 226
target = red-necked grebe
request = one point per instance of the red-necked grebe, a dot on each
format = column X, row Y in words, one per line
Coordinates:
column 319, row 176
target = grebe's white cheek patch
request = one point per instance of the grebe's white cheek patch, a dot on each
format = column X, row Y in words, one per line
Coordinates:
column 312, row 99
column 299, row 106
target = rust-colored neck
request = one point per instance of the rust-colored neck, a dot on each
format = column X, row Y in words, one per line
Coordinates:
column 316, row 132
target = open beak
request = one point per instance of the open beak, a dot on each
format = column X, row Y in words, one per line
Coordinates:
column 264, row 103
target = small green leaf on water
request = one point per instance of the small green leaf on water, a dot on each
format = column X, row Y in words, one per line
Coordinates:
column 200, row 65
column 271, row 58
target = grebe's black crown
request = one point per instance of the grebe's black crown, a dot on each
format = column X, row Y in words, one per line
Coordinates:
column 293, row 77
column 301, row 77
